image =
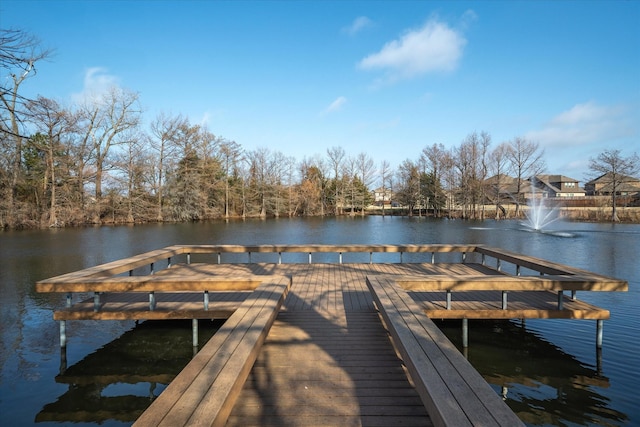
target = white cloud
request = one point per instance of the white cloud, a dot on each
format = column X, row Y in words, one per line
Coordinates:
column 584, row 124
column 335, row 105
column 433, row 47
column 97, row 82
column 359, row 24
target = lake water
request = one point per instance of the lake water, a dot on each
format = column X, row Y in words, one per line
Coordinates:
column 548, row 370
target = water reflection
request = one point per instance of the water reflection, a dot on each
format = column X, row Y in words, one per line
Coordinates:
column 541, row 383
column 121, row 379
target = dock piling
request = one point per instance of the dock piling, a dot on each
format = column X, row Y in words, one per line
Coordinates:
column 599, row 327
column 63, row 333
column 465, row 332
column 560, row 300
column 194, row 332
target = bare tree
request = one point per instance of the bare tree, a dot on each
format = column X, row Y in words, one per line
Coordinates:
column 19, row 53
column 350, row 172
column 336, row 160
column 434, row 157
column 54, row 122
column 289, row 173
column 366, row 170
column 616, row 171
column 163, row 141
column 498, row 166
column 409, row 184
column 106, row 118
column 485, row 142
column 469, row 157
column 385, row 177
column 310, row 200
column 185, row 194
column 265, row 172
column 230, row 154
column 526, row 161
column 134, row 165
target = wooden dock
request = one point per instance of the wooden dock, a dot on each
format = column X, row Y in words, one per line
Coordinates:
column 331, row 345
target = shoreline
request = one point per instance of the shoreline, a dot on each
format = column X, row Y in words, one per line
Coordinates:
column 626, row 215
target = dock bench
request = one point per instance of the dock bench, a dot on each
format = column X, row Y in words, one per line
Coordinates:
column 207, row 388
column 453, row 392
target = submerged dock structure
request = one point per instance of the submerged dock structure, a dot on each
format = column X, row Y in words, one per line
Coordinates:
column 329, row 334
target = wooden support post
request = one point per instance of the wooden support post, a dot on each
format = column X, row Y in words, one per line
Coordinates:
column 504, row 300
column 560, row 300
column 130, row 272
column 206, row 300
column 574, row 295
column 448, row 299
column 194, row 330
column 599, row 327
column 465, row 332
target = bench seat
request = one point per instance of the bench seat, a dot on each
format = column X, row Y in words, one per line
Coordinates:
column 207, row 388
column 453, row 392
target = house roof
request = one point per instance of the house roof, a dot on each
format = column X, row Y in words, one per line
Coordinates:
column 550, row 180
column 555, row 178
column 607, row 178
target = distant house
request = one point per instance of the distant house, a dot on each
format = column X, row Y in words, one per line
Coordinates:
column 558, row 186
column 603, row 186
column 382, row 196
column 504, row 187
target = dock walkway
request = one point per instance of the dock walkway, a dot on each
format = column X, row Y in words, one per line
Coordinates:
column 329, row 357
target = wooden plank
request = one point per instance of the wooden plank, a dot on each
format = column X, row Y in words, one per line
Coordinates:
column 508, row 283
column 114, row 267
column 317, row 366
column 158, row 283
column 206, row 390
column 453, row 392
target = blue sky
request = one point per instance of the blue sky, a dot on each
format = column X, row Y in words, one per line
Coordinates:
column 384, row 77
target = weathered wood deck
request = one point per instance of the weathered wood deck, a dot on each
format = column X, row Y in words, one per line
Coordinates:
column 328, row 358
column 331, row 287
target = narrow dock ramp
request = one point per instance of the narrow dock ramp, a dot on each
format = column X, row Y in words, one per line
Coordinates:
column 328, row 369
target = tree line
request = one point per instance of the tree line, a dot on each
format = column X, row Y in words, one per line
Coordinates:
column 95, row 162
